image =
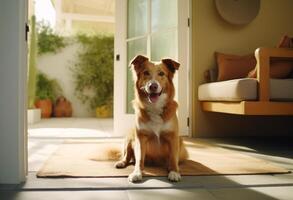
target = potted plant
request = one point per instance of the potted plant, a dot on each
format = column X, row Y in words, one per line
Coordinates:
column 33, row 114
column 105, row 111
column 93, row 73
column 46, row 93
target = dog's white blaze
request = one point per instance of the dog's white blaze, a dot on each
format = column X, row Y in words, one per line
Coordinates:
column 149, row 83
column 156, row 123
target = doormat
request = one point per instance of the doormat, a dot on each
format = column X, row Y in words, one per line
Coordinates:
column 87, row 158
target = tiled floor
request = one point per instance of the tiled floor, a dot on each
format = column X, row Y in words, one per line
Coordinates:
column 234, row 187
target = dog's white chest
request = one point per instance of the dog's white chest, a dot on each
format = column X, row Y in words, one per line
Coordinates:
column 156, row 123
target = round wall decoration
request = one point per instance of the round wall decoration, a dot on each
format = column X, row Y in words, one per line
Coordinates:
column 238, row 12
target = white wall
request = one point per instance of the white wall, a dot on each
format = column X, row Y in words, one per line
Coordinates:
column 12, row 84
column 58, row 66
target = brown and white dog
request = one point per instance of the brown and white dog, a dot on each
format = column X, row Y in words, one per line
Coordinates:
column 155, row 139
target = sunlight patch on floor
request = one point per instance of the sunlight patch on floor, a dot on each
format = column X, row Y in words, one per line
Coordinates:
column 45, row 137
column 236, row 147
column 68, row 132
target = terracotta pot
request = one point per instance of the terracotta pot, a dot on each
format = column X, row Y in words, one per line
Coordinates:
column 62, row 108
column 46, row 107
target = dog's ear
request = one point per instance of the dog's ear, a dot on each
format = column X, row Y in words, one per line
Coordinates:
column 137, row 62
column 171, row 64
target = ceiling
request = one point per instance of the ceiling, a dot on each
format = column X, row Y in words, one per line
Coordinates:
column 88, row 7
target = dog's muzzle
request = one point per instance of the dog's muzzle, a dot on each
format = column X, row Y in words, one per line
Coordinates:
column 153, row 90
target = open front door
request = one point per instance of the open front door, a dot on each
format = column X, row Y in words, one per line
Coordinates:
column 158, row 29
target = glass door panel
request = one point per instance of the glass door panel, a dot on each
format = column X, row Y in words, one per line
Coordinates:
column 164, row 45
column 136, row 18
column 163, row 14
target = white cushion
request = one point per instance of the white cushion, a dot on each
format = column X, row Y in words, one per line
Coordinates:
column 231, row 90
column 244, row 89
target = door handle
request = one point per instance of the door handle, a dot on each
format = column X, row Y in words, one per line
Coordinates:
column 117, row 57
column 27, row 29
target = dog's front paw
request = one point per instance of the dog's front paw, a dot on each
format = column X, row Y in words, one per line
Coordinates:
column 135, row 176
column 174, row 176
column 120, row 164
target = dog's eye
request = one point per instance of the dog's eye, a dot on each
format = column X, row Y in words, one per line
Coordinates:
column 161, row 73
column 146, row 73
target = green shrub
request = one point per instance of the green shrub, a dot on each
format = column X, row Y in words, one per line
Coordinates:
column 48, row 41
column 94, row 71
column 47, row 88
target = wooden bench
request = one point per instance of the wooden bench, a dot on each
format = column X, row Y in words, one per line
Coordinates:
column 263, row 106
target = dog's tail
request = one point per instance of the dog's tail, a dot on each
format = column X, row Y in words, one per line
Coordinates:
column 107, row 153
column 113, row 153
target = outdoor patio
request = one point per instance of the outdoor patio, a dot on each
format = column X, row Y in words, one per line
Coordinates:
column 59, row 30
column 47, row 135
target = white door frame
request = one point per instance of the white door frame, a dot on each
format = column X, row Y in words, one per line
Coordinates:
column 184, row 55
column 13, row 74
column 24, row 146
column 120, row 85
column 190, row 72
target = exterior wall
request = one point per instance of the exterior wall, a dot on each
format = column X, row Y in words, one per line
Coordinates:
column 58, row 66
column 210, row 34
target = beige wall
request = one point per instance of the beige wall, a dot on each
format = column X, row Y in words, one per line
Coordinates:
column 211, row 33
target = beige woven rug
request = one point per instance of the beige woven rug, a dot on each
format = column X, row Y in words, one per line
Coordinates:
column 86, row 158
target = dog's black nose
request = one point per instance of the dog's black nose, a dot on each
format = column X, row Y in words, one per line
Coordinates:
column 153, row 87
